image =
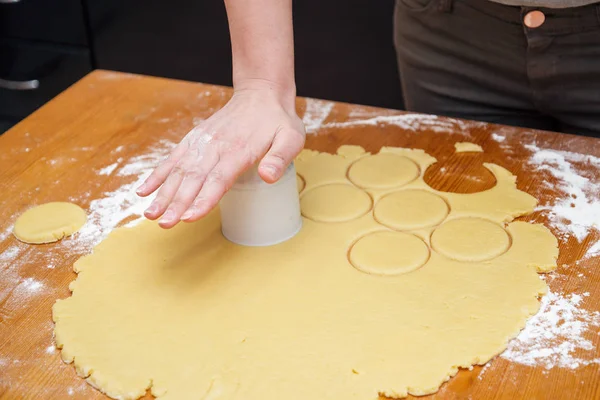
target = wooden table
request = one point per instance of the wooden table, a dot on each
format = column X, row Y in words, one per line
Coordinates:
column 65, row 152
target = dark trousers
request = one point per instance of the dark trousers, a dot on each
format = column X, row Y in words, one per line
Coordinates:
column 476, row 59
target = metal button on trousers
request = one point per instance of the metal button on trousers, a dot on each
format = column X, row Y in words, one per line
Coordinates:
column 534, row 19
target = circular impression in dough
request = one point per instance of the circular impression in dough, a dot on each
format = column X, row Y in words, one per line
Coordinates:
column 388, row 253
column 470, row 239
column 335, row 203
column 410, row 209
column 49, row 222
column 300, row 184
column 383, row 171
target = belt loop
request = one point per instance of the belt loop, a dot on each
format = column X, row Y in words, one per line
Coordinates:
column 445, row 6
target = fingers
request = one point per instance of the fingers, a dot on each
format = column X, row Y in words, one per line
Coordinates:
column 160, row 174
column 217, row 183
column 286, row 145
column 204, row 166
column 166, row 193
column 184, row 195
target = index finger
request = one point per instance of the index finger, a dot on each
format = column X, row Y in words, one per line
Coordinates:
column 160, row 174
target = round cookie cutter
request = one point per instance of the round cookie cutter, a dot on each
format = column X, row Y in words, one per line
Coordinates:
column 255, row 213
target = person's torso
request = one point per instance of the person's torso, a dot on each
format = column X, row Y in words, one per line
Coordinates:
column 546, row 3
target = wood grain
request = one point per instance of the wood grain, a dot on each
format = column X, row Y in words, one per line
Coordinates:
column 55, row 155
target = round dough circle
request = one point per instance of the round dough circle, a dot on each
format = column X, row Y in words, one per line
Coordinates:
column 49, row 222
column 470, row 239
column 335, row 203
column 411, row 209
column 383, row 171
column 388, row 253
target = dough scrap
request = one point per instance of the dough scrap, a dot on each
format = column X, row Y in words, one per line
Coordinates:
column 190, row 315
column 49, row 222
column 463, row 147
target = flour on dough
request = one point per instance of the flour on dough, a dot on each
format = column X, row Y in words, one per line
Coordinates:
column 353, row 307
column 49, row 222
column 463, row 147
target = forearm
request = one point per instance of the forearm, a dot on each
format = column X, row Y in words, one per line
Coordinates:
column 262, row 45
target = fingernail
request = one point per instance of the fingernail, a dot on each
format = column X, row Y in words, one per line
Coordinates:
column 168, row 216
column 187, row 215
column 152, row 209
column 141, row 188
column 269, row 169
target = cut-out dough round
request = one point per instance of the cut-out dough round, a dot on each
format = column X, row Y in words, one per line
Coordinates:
column 389, row 253
column 470, row 239
column 49, row 222
column 368, row 172
column 335, row 203
column 411, row 209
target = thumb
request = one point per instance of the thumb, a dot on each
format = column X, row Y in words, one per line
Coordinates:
column 286, row 145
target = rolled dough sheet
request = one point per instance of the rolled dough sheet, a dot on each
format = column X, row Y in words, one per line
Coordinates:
column 49, row 222
column 348, row 309
column 463, row 147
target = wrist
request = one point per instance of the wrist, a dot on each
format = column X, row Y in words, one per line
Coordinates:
column 285, row 93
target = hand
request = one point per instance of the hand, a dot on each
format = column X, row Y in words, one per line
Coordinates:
column 255, row 123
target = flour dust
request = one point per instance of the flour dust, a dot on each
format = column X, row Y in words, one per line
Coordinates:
column 315, row 113
column 562, row 333
column 577, row 212
column 559, row 335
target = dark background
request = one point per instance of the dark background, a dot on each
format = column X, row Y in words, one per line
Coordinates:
column 344, row 50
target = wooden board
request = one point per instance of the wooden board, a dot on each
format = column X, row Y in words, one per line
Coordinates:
column 75, row 147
